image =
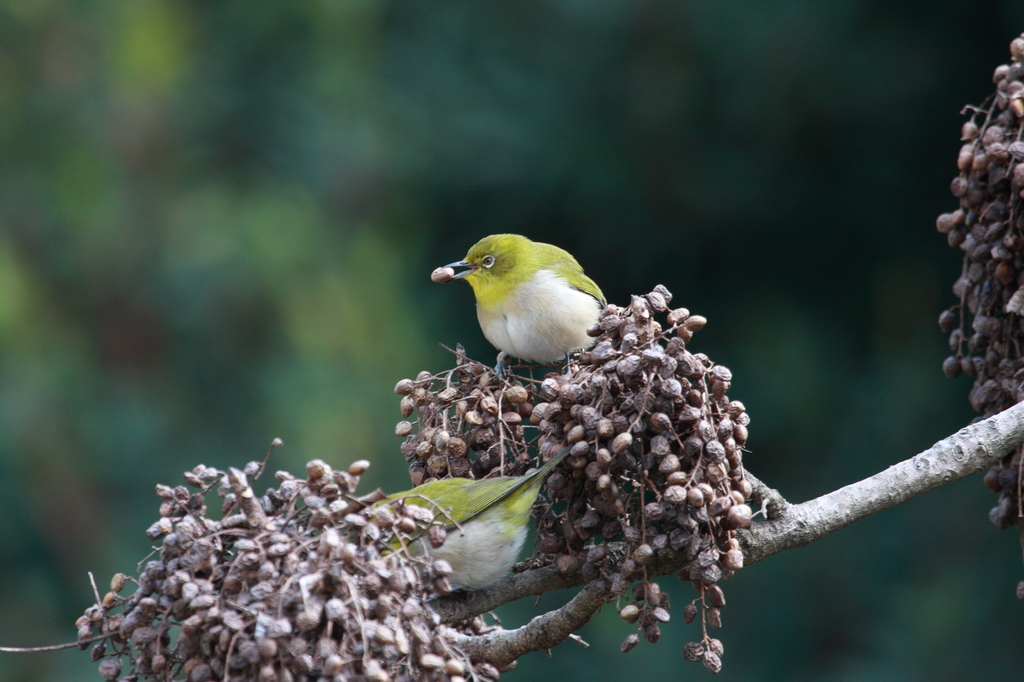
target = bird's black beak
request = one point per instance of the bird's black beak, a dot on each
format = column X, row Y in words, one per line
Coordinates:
column 471, row 268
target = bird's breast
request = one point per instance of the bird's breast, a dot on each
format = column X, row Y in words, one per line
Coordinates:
column 541, row 320
column 481, row 551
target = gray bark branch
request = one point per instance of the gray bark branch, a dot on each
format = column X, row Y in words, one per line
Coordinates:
column 543, row 632
column 968, row 451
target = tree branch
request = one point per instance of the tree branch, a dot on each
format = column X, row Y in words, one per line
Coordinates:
column 543, row 632
column 464, row 604
column 968, row 451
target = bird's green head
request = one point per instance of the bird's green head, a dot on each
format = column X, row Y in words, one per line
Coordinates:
column 496, row 257
column 499, row 262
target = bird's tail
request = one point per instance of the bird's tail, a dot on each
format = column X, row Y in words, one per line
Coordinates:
column 529, row 482
column 550, row 464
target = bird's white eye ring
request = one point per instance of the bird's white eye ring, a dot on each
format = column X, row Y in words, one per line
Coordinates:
column 488, row 261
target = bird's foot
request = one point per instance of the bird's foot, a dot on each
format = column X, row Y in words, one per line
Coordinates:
column 568, row 364
column 501, row 369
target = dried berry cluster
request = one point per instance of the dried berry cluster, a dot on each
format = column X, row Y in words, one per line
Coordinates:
column 295, row 585
column 469, row 423
column 989, row 227
column 655, row 467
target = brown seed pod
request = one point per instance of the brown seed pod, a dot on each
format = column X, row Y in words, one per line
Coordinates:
column 441, row 275
column 712, row 661
column 739, row 516
column 1017, row 49
column 568, row 564
column 959, row 187
column 621, row 442
column 643, row 554
column 719, row 505
column 694, row 323
column 110, row 668
column 693, row 651
column 733, row 560
column 947, row 320
column 965, row 160
column 630, row 613
column 715, row 595
column 489, row 405
column 517, row 395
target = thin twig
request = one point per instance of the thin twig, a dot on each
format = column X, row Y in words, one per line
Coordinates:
column 52, row 647
column 277, row 442
column 99, row 602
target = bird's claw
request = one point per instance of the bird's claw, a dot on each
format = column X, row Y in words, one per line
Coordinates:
column 501, row 369
column 568, row 364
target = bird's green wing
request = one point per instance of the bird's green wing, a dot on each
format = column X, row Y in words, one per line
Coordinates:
column 491, row 491
column 589, row 286
column 562, row 262
column 446, row 493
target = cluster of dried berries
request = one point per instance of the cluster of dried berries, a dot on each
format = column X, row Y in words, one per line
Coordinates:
column 294, row 585
column 655, row 462
column 989, row 227
column 469, row 423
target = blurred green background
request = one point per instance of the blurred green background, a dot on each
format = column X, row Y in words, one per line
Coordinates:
column 217, row 222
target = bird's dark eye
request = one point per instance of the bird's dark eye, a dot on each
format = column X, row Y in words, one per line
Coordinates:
column 488, row 261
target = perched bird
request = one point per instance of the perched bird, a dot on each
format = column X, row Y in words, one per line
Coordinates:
column 492, row 515
column 532, row 299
